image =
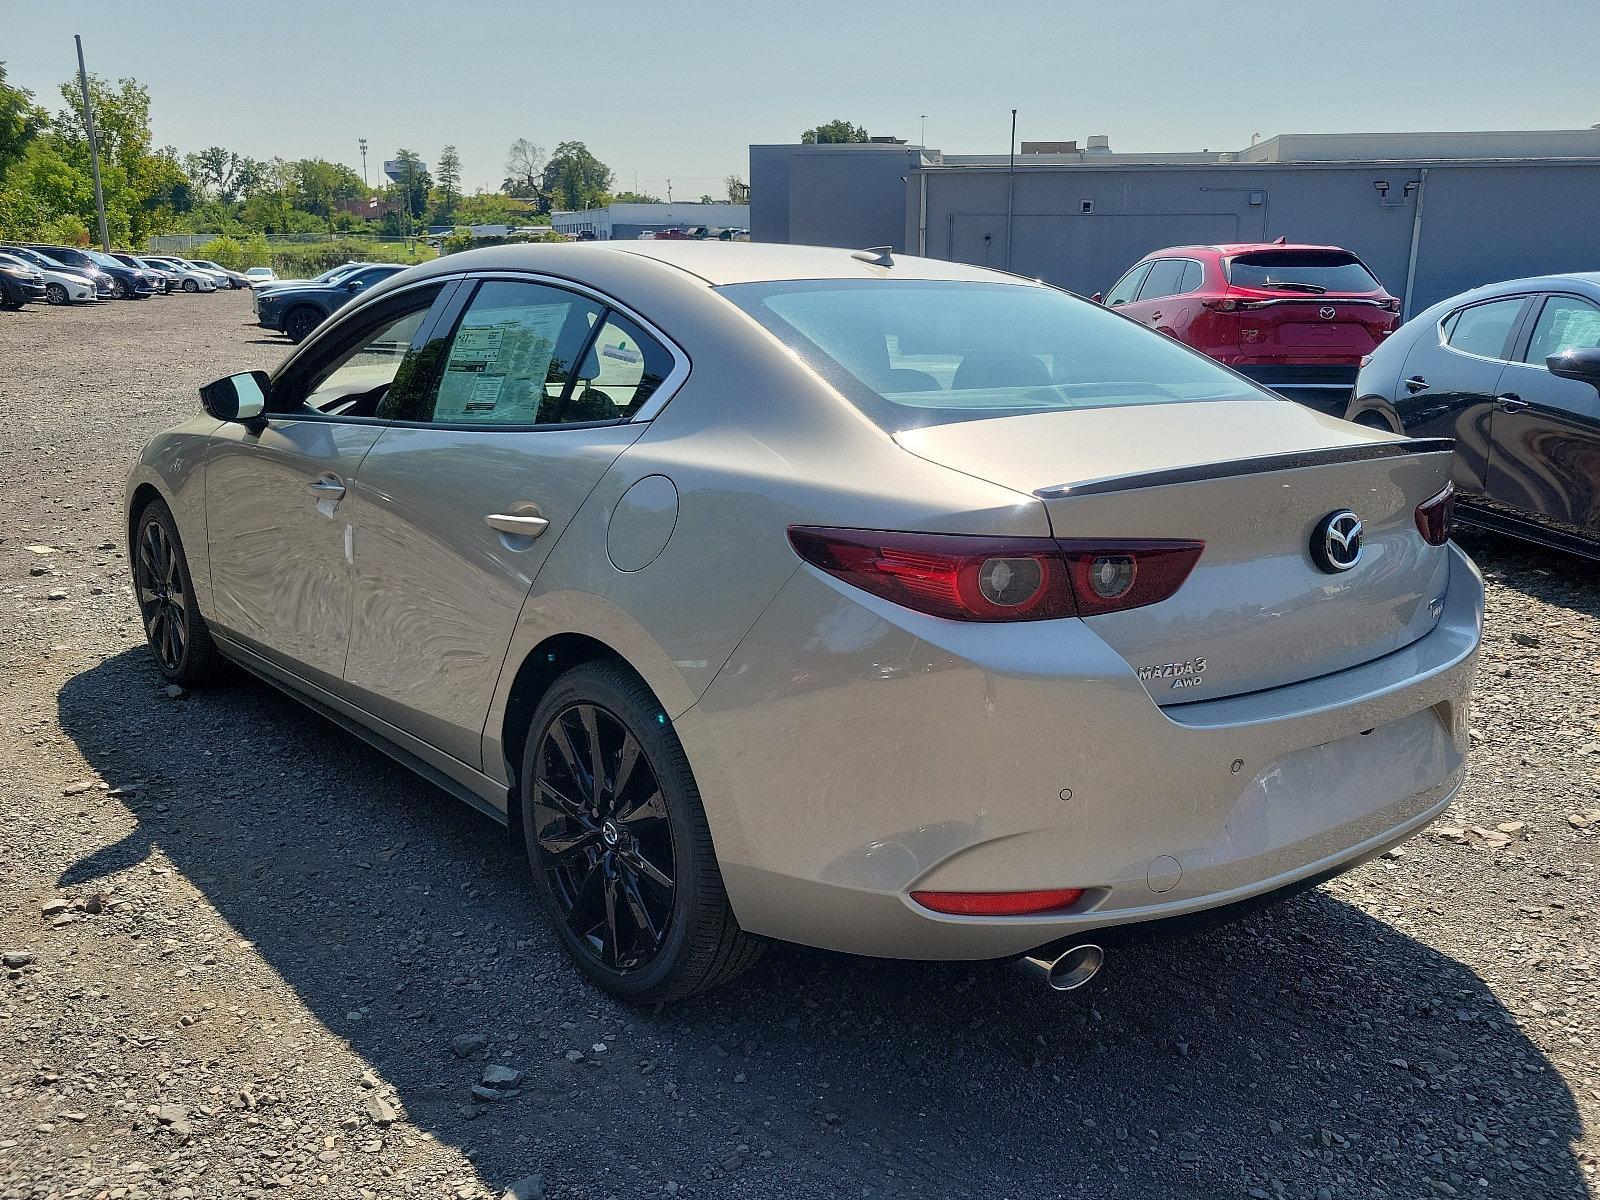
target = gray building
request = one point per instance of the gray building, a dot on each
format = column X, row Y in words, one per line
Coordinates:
column 630, row 220
column 1431, row 213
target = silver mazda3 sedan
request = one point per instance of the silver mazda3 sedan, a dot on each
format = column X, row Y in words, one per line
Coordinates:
column 870, row 602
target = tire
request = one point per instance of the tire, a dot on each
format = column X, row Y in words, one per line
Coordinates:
column 298, row 323
column 189, row 285
column 119, row 289
column 56, row 293
column 598, row 856
column 1374, row 420
column 177, row 634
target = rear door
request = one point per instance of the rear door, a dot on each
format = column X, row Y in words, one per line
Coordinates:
column 1164, row 280
column 463, row 496
column 1545, row 456
column 1450, row 380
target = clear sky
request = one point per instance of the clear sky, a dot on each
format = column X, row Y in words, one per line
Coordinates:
column 679, row 89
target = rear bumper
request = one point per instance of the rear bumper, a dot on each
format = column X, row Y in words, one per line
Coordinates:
column 1324, row 386
column 851, row 752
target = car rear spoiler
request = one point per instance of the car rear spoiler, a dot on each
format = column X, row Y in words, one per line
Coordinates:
column 1291, row 460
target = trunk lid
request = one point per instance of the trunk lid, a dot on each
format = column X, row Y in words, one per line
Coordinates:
column 1254, row 480
column 1310, row 328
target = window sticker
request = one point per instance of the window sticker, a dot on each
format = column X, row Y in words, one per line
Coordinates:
column 500, row 363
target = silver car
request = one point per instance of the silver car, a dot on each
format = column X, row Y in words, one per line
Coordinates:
column 876, row 603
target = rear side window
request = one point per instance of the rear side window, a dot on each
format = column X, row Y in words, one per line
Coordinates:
column 1302, row 271
column 1483, row 328
column 621, row 370
column 1165, row 279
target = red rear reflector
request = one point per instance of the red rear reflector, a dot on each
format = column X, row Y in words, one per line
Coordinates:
column 998, row 904
column 1436, row 516
column 1365, row 359
column 974, row 578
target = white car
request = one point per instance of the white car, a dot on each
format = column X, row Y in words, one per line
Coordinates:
column 61, row 286
column 190, row 278
column 260, row 275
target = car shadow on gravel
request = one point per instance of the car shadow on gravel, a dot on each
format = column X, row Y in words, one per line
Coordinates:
column 1310, row 1046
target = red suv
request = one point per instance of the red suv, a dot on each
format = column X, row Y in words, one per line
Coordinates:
column 1297, row 319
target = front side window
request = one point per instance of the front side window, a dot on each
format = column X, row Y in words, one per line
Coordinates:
column 1128, row 286
column 926, row 352
column 1483, row 328
column 1165, row 278
column 368, row 371
column 1567, row 323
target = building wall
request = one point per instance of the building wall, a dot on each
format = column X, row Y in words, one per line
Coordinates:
column 629, row 220
column 1480, row 222
column 847, row 195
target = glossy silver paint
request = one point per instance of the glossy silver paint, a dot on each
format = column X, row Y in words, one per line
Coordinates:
column 848, row 750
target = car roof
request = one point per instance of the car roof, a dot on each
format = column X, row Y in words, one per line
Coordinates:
column 716, row 263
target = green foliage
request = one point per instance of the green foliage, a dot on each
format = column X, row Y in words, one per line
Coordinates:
column 635, row 198
column 738, row 190
column 411, row 192
column 832, row 132
column 447, row 193
column 21, row 121
column 575, row 179
column 303, row 260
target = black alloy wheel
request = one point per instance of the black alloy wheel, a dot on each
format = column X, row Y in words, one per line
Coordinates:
column 604, row 837
column 163, row 596
column 618, row 841
column 299, row 323
column 178, row 635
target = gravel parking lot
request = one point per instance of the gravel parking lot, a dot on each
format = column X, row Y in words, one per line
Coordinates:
column 245, row 953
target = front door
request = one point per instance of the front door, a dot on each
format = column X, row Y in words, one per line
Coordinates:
column 1447, row 386
column 1545, row 462
column 279, row 544
column 460, row 500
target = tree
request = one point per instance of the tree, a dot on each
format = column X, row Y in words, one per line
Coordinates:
column 21, row 121
column 320, row 186
column 834, row 132
column 412, row 187
column 706, row 198
column 575, row 179
column 524, row 169
column 215, row 172
column 448, row 179
column 635, row 198
column 738, row 190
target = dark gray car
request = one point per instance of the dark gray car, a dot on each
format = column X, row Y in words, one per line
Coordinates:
column 296, row 311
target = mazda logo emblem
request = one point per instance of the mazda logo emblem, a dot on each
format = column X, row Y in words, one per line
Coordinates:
column 1327, row 312
column 1336, row 544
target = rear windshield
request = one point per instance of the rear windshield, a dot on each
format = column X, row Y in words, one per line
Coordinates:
column 1304, row 271
column 928, row 352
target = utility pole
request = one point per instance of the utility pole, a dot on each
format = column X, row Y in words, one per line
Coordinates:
column 1011, row 186
column 924, row 138
column 669, row 191
column 364, row 162
column 94, row 148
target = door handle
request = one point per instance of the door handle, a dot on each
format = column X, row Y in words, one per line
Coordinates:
column 523, row 526
column 1416, row 383
column 1511, row 402
column 1155, row 316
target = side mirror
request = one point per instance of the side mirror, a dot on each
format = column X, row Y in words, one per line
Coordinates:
column 355, row 285
column 1098, row 298
column 240, row 397
column 1582, row 364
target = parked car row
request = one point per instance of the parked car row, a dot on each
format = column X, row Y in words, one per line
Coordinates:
column 32, row 273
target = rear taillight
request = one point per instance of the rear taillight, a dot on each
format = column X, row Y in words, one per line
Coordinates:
column 1366, row 359
column 1228, row 304
column 1436, row 516
column 1391, row 305
column 972, row 578
column 999, row 904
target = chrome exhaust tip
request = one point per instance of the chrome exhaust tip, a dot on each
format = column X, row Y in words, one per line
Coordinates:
column 1065, row 970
